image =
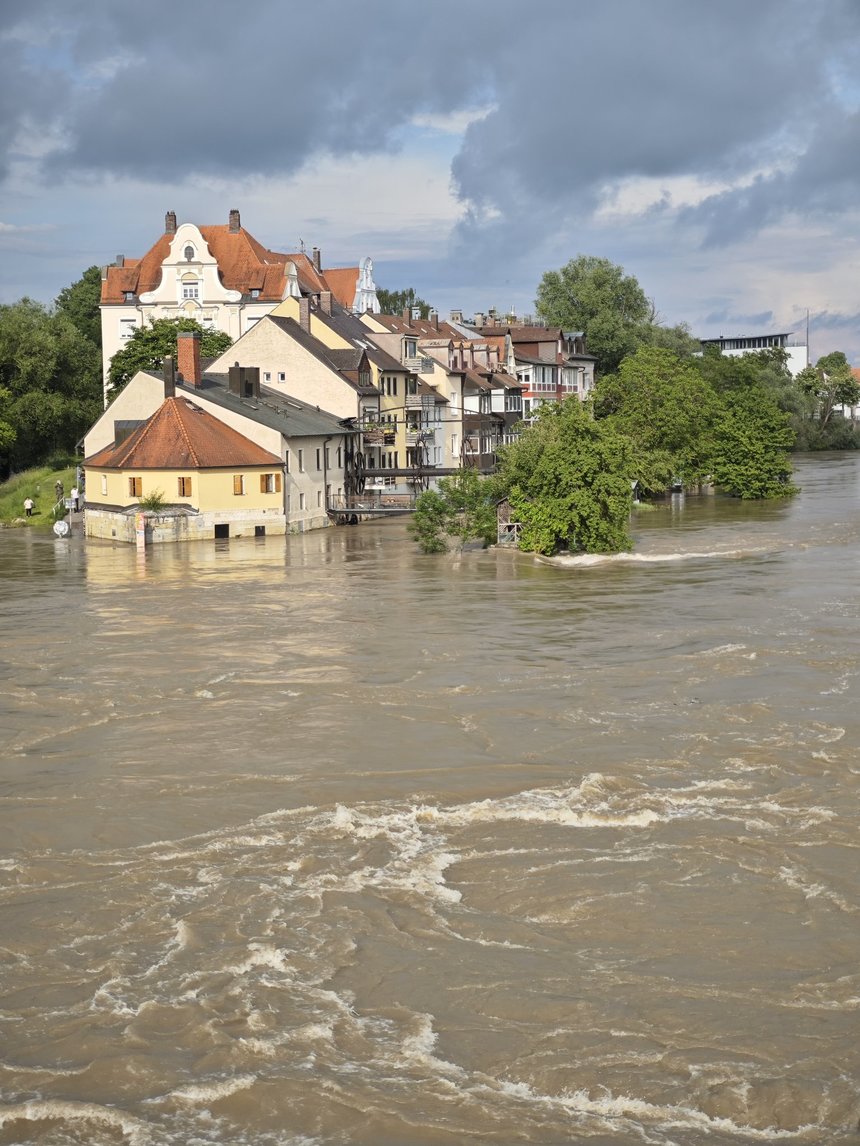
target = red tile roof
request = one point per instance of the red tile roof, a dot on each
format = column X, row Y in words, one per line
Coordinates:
column 342, row 281
column 180, row 435
column 243, row 263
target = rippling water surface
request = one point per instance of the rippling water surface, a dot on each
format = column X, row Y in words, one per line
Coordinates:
column 322, row 841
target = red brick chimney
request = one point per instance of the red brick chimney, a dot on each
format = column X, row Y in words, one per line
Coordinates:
column 407, row 315
column 325, row 301
column 305, row 314
column 235, row 224
column 188, row 356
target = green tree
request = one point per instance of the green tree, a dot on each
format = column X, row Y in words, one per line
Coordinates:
column 79, row 302
column 568, row 478
column 462, row 508
column 678, row 339
column 49, row 383
column 668, row 411
column 751, row 445
column 830, row 383
column 150, row 344
column 594, row 295
column 395, row 301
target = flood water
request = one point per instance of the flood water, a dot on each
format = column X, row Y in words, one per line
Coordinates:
column 317, row 840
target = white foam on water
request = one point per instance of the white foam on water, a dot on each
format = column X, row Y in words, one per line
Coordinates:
column 610, row 1109
column 585, row 560
column 86, row 1113
column 206, row 1092
column 798, row 881
column 417, row 1049
column 262, row 955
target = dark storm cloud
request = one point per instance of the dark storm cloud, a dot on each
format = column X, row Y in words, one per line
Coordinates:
column 829, row 320
column 727, row 317
column 582, row 95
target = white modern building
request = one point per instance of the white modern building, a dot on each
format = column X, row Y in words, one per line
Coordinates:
column 797, row 351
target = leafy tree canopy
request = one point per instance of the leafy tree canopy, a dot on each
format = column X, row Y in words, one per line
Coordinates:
column 568, row 478
column 594, row 295
column 463, row 508
column 668, row 411
column 150, row 344
column 50, row 384
column 830, row 383
column 395, row 301
column 751, row 445
column 79, row 302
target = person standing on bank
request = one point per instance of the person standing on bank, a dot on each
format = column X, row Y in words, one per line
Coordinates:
column 75, row 498
column 28, row 506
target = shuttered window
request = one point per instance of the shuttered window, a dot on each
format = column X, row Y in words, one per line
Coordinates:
column 238, row 484
column 135, row 487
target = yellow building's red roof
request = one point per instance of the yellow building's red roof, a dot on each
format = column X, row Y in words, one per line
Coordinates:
column 180, row 435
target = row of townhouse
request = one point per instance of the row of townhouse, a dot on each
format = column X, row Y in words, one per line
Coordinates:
column 347, row 399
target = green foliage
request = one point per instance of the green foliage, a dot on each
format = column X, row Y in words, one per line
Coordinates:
column 150, row 344
column 394, row 301
column 568, row 478
column 668, row 411
column 678, row 339
column 594, row 295
column 79, row 302
column 829, row 383
column 154, row 502
column 463, row 508
column 50, row 384
column 751, row 446
column 428, row 522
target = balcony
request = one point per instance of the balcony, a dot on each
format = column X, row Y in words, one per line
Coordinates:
column 419, row 365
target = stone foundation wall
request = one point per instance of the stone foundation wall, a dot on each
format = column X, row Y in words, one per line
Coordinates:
column 174, row 527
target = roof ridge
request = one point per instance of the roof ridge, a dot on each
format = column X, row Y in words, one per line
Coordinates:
column 178, row 414
column 133, row 440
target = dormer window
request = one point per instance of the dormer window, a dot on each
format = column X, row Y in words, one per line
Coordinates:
column 255, row 293
column 128, row 296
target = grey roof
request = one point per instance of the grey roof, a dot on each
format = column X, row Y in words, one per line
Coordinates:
column 318, row 349
column 278, row 411
column 351, row 328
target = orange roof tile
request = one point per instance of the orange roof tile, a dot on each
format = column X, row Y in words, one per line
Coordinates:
column 342, row 281
column 243, row 264
column 180, row 435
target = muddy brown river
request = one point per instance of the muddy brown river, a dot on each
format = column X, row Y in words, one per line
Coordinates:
column 317, row 840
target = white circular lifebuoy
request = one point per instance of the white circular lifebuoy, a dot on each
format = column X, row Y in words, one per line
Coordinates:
column 61, row 528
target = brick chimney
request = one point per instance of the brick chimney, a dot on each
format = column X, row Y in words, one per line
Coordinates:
column 316, row 258
column 188, row 356
column 305, row 314
column 170, row 223
column 235, row 223
column 434, row 318
column 168, row 369
column 325, row 301
column 407, row 315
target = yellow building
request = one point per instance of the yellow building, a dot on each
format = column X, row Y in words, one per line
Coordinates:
column 190, row 475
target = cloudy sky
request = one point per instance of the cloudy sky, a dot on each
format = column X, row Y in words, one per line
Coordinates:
column 712, row 149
